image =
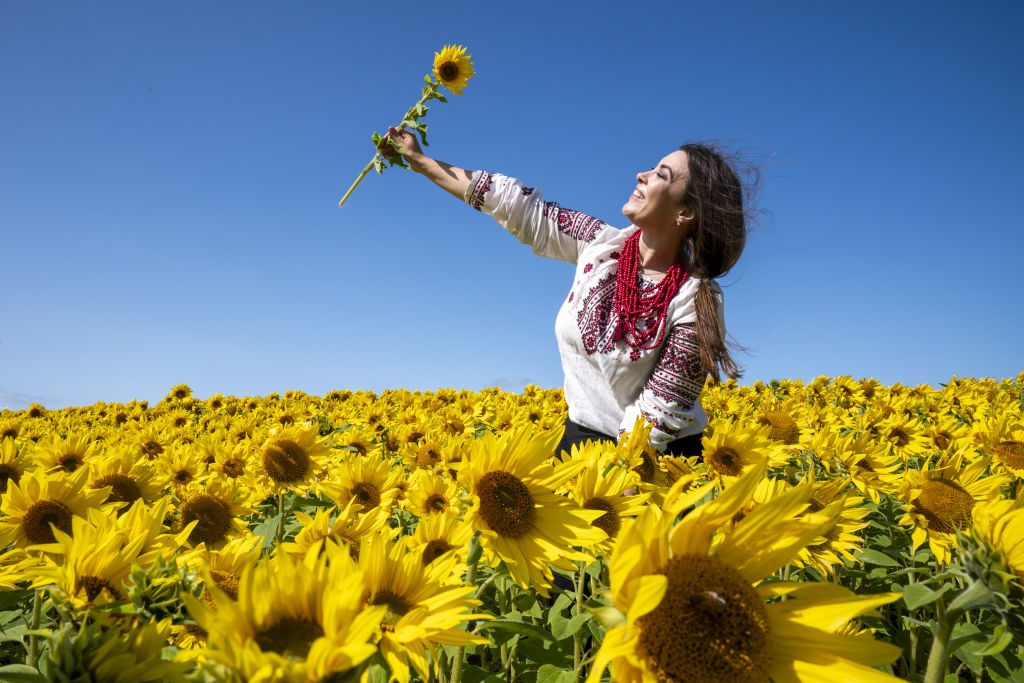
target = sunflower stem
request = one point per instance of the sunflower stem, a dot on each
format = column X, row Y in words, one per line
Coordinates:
column 939, row 655
column 280, row 513
column 401, row 126
column 472, row 560
column 33, row 640
column 577, row 637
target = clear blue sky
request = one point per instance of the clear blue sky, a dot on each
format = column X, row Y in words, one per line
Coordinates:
column 170, row 176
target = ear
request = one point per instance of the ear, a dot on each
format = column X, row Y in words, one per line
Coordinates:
column 684, row 216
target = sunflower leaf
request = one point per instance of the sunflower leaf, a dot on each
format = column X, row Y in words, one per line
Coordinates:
column 918, row 595
column 872, row 556
column 518, row 627
column 20, row 673
column 550, row 673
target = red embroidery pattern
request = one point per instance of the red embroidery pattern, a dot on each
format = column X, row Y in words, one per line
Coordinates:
column 482, row 186
column 527, row 191
column 587, row 268
column 659, row 424
column 679, row 376
column 575, row 224
column 595, row 315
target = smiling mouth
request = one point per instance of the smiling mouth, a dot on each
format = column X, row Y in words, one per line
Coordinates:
column 637, row 195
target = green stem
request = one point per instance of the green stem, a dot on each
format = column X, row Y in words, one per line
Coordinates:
column 577, row 637
column 33, row 640
column 366, row 170
column 939, row 655
column 460, row 652
column 280, row 513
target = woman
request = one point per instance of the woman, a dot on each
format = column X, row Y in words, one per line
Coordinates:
column 642, row 326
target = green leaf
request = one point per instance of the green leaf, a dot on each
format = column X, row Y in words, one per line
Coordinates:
column 876, row 557
column 20, row 673
column 540, row 653
column 1001, row 637
column 565, row 628
column 917, row 594
column 552, row 674
column 474, row 674
column 518, row 627
column 268, row 530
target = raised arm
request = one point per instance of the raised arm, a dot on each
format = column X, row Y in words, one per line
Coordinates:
column 450, row 178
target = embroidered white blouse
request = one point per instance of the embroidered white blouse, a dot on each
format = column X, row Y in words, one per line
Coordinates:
column 608, row 384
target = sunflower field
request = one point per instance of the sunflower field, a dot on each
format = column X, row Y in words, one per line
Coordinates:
column 837, row 530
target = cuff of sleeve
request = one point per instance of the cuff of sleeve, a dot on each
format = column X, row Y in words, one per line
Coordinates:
column 479, row 186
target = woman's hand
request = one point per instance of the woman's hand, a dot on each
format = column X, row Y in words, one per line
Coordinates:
column 407, row 142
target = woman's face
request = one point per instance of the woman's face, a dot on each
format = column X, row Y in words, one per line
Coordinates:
column 656, row 199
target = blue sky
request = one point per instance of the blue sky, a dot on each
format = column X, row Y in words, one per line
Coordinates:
column 171, row 173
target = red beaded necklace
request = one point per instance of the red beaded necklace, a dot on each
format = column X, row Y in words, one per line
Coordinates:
column 631, row 306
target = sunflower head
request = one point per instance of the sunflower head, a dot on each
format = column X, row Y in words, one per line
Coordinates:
column 453, row 68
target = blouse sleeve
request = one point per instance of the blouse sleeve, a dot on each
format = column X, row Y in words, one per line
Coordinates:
column 669, row 398
column 552, row 231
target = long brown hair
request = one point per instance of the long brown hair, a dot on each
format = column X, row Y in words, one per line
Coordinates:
column 715, row 194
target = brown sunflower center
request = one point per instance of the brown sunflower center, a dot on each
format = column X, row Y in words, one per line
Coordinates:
column 781, row 426
column 286, row 462
column 1012, row 453
column 710, row 626
column 397, row 608
column 226, row 581
column 152, row 449
column 182, row 477
column 233, row 468
column 434, row 550
column 427, row 456
column 609, row 522
column 945, row 504
column 289, row 637
column 942, row 440
column 505, row 504
column 726, row 461
column 8, row 473
column 43, row 513
column 899, row 436
column 367, row 495
column 123, row 489
column 436, row 503
column 212, row 517
column 69, row 462
column 646, row 468
column 94, row 586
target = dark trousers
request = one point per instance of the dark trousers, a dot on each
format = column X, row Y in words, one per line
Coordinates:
column 576, row 434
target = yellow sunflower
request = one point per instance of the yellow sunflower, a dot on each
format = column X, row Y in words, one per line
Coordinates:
column 940, row 499
column 1000, row 522
column 602, row 485
column 430, row 493
column 65, row 455
column 439, row 534
column 291, row 457
column 689, row 603
column 349, row 527
column 369, row 480
column 14, row 462
column 521, row 521
column 453, row 68
column 128, row 478
column 733, row 449
column 30, row 509
column 96, row 562
column 1005, row 441
column 424, row 606
column 293, row 622
column 217, row 510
